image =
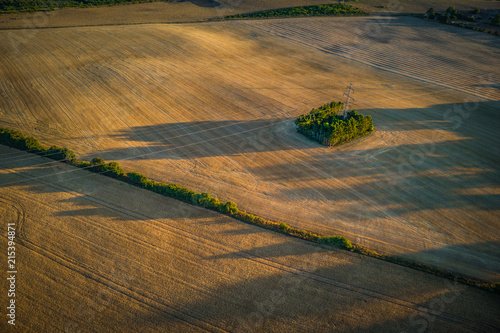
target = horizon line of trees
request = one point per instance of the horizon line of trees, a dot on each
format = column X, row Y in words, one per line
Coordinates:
column 313, row 10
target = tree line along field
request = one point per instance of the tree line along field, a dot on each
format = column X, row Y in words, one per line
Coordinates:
column 211, row 107
column 101, row 255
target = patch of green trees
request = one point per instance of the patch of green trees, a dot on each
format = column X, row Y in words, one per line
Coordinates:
column 326, row 126
column 452, row 14
column 316, row 10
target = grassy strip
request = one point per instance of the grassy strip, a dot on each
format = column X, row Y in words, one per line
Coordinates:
column 20, row 141
column 316, row 10
column 328, row 128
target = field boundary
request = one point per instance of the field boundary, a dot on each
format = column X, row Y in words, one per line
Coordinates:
column 17, row 140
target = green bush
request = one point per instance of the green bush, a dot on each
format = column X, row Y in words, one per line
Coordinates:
column 20, row 141
column 61, row 154
column 137, row 179
column 228, row 208
column 97, row 164
column 284, row 227
column 206, row 200
column 451, row 10
column 114, row 170
column 338, row 241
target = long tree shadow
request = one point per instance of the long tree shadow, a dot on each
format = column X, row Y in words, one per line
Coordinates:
column 314, row 297
column 198, row 139
column 441, row 171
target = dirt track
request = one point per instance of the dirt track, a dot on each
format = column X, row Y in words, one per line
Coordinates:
column 210, row 107
column 99, row 255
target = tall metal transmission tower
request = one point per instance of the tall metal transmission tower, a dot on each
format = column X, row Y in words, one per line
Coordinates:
column 348, row 100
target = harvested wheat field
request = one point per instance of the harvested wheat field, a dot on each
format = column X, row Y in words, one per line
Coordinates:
column 210, row 106
column 97, row 255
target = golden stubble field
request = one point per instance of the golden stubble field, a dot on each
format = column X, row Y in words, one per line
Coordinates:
column 97, row 255
column 211, row 106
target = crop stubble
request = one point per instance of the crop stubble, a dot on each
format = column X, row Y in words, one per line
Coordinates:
column 194, row 104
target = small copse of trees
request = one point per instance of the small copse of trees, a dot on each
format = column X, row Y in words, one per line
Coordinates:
column 326, row 126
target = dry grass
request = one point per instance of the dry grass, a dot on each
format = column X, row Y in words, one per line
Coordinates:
column 99, row 255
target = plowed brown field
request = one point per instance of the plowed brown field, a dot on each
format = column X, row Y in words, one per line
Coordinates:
column 211, row 106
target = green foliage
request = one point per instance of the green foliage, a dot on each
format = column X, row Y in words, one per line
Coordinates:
column 318, row 10
column 325, row 126
column 97, row 164
column 137, row 179
column 444, row 19
column 61, row 154
column 20, row 141
column 114, row 170
column 206, row 200
column 228, row 208
column 338, row 241
column 431, row 11
column 97, row 161
column 83, row 164
column 451, row 10
column 284, row 227
column 496, row 20
column 476, row 11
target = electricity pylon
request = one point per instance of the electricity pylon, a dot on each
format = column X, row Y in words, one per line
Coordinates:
column 346, row 105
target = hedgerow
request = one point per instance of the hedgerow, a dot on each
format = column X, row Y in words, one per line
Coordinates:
column 20, row 141
column 315, row 10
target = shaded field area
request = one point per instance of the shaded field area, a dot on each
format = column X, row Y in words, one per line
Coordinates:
column 100, row 255
column 211, row 107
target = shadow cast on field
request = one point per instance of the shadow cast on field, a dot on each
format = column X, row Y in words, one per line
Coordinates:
column 198, row 139
column 309, row 289
column 322, row 298
column 454, row 165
